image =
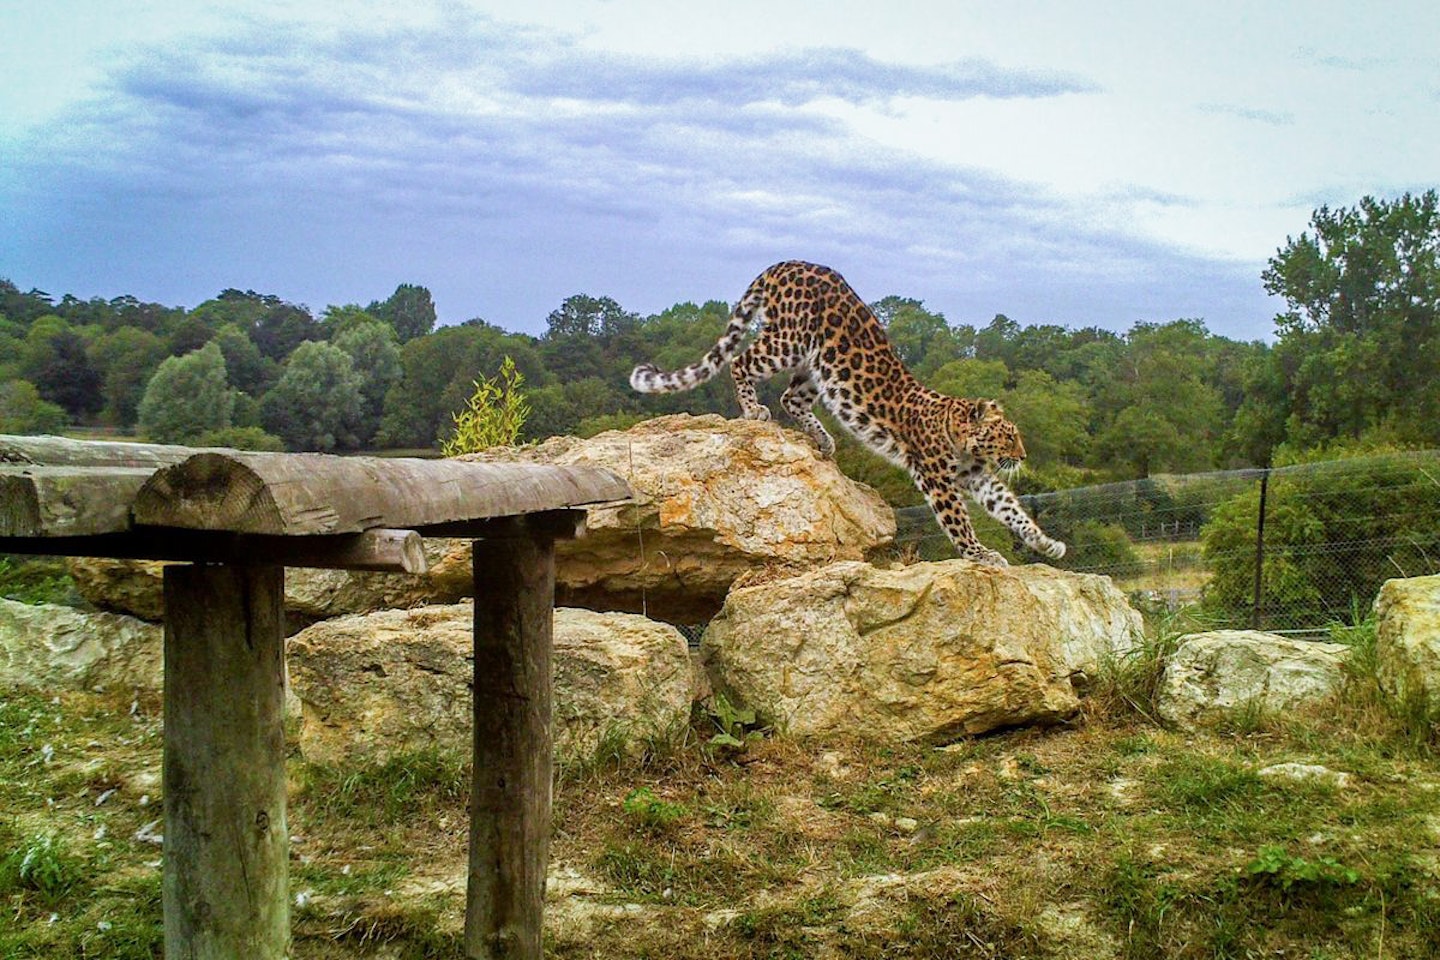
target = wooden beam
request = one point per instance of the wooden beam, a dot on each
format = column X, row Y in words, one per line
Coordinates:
column 63, row 452
column 511, row 780
column 225, row 881
column 67, row 501
column 552, row 524
column 383, row 551
column 302, row 494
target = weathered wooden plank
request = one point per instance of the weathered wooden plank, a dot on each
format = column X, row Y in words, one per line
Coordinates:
column 380, row 550
column 554, row 524
column 225, row 879
column 300, row 494
column 511, row 776
column 67, row 501
column 63, row 452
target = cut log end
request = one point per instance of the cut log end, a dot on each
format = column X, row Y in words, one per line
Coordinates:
column 210, row 491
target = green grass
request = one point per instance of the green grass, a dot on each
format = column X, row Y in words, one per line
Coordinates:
column 386, row 793
column 36, row 580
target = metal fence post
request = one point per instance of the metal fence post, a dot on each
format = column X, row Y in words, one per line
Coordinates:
column 1257, row 609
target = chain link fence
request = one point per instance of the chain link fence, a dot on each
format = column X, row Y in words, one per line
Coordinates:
column 1289, row 549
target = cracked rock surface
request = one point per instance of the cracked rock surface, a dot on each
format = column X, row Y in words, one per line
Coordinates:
column 926, row 652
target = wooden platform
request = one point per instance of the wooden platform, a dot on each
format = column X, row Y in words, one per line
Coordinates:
column 237, row 520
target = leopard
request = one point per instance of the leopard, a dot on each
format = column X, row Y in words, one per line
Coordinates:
column 811, row 323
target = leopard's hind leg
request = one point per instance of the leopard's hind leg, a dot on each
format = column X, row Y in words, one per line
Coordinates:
column 799, row 400
column 760, row 361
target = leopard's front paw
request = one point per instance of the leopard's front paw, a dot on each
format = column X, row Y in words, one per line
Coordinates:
column 985, row 557
column 1054, row 549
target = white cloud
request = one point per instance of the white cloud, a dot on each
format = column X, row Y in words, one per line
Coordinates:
column 1052, row 163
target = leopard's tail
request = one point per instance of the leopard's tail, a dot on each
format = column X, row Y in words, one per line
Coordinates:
column 647, row 378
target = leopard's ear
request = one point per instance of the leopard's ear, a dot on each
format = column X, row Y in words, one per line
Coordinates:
column 958, row 420
column 981, row 410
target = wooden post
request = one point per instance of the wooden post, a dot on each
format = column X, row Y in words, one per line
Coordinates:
column 226, row 873
column 511, row 779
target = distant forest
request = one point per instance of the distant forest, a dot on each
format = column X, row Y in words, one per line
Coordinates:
column 1353, row 365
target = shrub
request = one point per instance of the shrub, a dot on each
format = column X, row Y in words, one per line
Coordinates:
column 23, row 411
column 1100, row 548
column 241, row 438
column 493, row 416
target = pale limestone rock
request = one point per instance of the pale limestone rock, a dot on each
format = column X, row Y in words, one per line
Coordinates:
column 50, row 647
column 1224, row 674
column 398, row 680
column 930, row 651
column 1306, row 773
column 136, row 587
column 131, row 587
column 1407, row 640
column 714, row 498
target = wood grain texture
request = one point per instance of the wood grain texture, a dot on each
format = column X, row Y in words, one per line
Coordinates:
column 510, row 791
column 225, row 878
column 63, row 452
column 301, row 494
column 67, row 501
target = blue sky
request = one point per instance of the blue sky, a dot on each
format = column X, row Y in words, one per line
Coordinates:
column 1060, row 162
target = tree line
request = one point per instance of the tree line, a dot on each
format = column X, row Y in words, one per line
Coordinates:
column 1353, row 362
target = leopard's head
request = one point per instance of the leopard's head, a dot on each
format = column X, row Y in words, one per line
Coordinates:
column 981, row 431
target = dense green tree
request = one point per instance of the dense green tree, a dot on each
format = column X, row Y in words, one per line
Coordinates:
column 922, row 339
column 438, row 374
column 589, row 337
column 1359, row 341
column 242, row 309
column 275, row 327
column 998, row 340
column 317, row 404
column 126, row 358
column 55, row 359
column 375, row 354
column 188, row 335
column 23, row 308
column 971, row 378
column 250, row 371
column 1259, row 422
column 1053, row 417
column 12, row 345
column 128, row 311
column 1160, row 413
column 336, row 320
column 23, row 411
column 186, row 397
column 283, row 328
column 410, row 310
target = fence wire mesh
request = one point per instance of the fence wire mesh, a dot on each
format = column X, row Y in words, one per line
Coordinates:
column 1293, row 548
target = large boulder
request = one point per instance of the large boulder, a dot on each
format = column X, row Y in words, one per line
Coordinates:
column 1227, row 674
column 929, row 652
column 714, row 498
column 49, row 647
column 1407, row 640
column 136, row 587
column 374, row 685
